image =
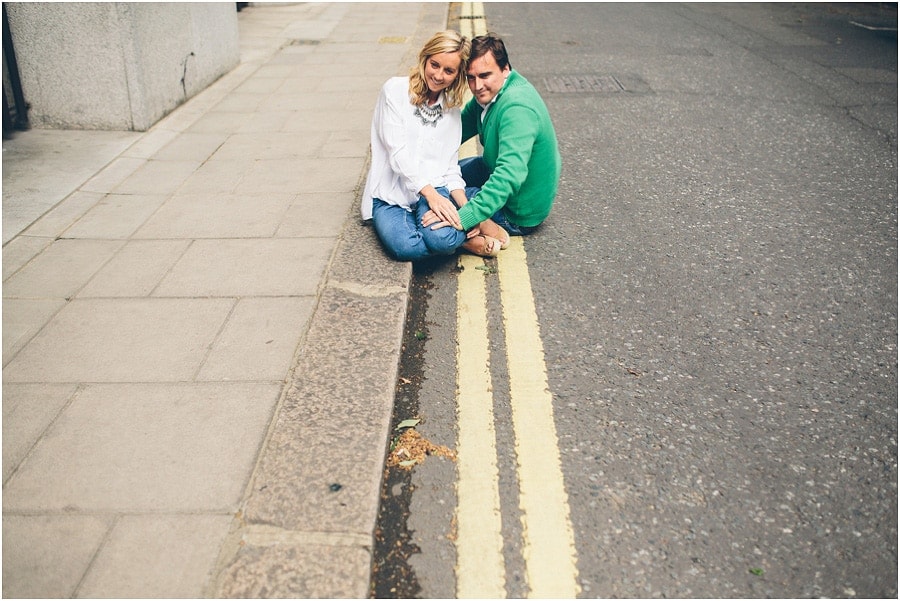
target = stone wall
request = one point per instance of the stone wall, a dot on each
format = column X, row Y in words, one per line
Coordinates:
column 118, row 65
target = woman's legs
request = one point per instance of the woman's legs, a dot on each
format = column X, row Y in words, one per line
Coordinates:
column 397, row 229
column 442, row 241
column 406, row 239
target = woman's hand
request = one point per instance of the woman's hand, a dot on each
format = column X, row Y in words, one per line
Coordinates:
column 442, row 210
column 432, row 219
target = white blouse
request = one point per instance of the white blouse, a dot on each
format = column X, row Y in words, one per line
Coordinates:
column 408, row 154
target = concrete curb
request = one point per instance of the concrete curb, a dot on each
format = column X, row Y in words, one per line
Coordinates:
column 314, row 495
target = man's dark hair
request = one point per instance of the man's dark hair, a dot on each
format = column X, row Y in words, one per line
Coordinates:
column 492, row 43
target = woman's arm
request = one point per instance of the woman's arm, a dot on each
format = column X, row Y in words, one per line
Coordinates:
column 391, row 130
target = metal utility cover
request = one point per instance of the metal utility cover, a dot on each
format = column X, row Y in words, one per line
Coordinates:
column 583, row 83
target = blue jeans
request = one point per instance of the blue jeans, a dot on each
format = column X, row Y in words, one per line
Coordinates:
column 476, row 173
column 405, row 238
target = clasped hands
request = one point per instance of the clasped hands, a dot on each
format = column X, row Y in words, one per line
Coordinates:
column 442, row 213
column 431, row 218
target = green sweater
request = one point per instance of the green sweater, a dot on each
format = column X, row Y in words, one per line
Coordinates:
column 520, row 150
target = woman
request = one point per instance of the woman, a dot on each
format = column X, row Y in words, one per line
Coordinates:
column 416, row 131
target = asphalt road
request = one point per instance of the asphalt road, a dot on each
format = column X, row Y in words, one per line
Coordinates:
column 717, row 297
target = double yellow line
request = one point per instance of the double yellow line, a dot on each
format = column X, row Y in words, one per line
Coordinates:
column 549, row 543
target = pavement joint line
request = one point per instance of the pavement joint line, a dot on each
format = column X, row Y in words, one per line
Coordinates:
column 267, row 536
column 367, row 290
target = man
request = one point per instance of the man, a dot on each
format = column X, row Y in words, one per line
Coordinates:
column 519, row 171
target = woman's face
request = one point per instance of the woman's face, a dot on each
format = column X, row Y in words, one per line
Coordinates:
column 441, row 71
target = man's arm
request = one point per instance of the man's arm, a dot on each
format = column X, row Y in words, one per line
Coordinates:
column 518, row 130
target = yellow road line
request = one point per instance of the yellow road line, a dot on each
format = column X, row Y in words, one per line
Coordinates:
column 549, row 542
column 471, row 24
column 549, row 551
column 480, row 570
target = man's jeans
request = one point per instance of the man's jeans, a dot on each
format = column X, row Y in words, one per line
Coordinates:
column 406, row 239
column 475, row 172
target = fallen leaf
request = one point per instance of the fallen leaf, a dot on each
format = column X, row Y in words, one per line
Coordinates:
column 412, row 449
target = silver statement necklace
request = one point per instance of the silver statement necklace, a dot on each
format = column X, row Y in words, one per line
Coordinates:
column 429, row 115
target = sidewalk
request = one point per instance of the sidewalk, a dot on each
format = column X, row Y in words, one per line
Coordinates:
column 200, row 339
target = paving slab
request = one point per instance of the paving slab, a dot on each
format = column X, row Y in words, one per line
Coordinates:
column 20, row 250
column 22, row 319
column 217, row 215
column 122, row 340
column 113, row 174
column 157, row 177
column 158, row 448
column 247, row 267
column 165, row 556
column 44, row 156
column 61, row 269
column 217, row 176
column 36, row 565
column 28, row 409
column 259, row 340
column 53, row 223
column 136, row 269
column 314, row 215
column 115, row 216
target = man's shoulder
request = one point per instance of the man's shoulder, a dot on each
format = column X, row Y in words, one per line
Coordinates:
column 520, row 91
column 517, row 81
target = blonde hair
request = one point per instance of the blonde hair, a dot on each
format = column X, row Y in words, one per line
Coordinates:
column 440, row 43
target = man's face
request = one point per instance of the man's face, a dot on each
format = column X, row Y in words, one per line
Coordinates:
column 485, row 77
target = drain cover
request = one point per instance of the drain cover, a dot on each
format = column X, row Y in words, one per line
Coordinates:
column 583, row 83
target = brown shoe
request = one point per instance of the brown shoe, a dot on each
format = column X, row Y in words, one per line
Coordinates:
column 483, row 246
column 490, row 228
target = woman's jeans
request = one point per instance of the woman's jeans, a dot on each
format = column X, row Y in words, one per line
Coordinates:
column 476, row 173
column 406, row 239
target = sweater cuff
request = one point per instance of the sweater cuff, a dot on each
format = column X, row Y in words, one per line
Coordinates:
column 466, row 218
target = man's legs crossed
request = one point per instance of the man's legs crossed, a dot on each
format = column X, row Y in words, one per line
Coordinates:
column 474, row 171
